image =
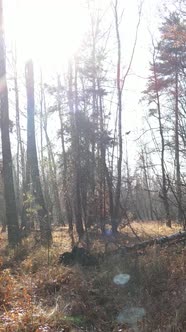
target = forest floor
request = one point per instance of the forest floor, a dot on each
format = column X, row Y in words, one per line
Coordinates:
column 144, row 291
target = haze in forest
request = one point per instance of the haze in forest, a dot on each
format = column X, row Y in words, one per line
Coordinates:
column 54, row 30
column 92, row 165
column 90, row 92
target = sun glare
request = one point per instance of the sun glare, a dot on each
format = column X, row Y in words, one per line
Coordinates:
column 49, row 31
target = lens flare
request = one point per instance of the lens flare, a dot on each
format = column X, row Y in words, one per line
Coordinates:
column 131, row 315
column 121, row 279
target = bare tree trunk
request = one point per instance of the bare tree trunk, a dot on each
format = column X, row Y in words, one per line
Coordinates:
column 76, row 152
column 68, row 206
column 177, row 153
column 102, row 165
column 53, row 174
column 120, row 85
column 46, row 190
column 2, row 199
column 164, row 180
column 11, row 210
column 78, row 207
column 115, row 218
column 110, row 191
column 45, row 229
column 129, row 201
column 94, row 33
column 145, row 166
column 20, row 149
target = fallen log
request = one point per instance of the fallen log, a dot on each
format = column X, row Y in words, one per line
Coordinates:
column 176, row 237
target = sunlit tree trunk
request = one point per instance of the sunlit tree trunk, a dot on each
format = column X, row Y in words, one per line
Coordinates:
column 68, row 206
column 164, row 180
column 120, row 82
column 45, row 184
column 73, row 106
column 32, row 160
column 177, row 153
column 53, row 174
column 115, row 217
column 20, row 183
column 78, row 205
column 146, row 178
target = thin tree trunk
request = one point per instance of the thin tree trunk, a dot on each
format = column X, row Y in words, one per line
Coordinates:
column 94, row 113
column 75, row 152
column 177, row 152
column 20, row 149
column 53, row 174
column 102, row 165
column 115, row 220
column 32, row 160
column 147, row 185
column 78, row 207
column 110, row 192
column 44, row 180
column 164, row 180
column 3, row 205
column 68, row 206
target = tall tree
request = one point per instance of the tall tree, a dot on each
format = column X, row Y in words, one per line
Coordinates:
column 20, row 176
column 76, row 151
column 153, row 91
column 53, row 171
column 11, row 211
column 45, row 184
column 120, row 109
column 120, row 82
column 33, row 176
column 68, row 205
column 170, row 65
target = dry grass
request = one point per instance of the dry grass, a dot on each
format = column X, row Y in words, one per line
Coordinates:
column 148, row 229
column 37, row 294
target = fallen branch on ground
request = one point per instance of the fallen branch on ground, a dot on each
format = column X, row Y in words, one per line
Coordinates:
column 177, row 237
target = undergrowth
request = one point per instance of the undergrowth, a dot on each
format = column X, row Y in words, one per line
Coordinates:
column 38, row 294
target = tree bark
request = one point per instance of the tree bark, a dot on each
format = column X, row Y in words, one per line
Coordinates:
column 53, row 173
column 45, row 185
column 177, row 153
column 11, row 210
column 78, row 203
column 68, row 206
column 20, row 149
column 164, row 180
column 32, row 160
column 115, row 217
column 73, row 106
column 145, row 166
column 174, row 238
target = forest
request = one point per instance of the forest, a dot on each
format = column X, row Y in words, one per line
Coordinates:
column 93, row 194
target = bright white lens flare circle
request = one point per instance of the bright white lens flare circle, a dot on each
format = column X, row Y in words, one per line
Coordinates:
column 131, row 315
column 121, row 279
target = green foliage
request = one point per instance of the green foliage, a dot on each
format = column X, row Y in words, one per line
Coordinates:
column 32, row 208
